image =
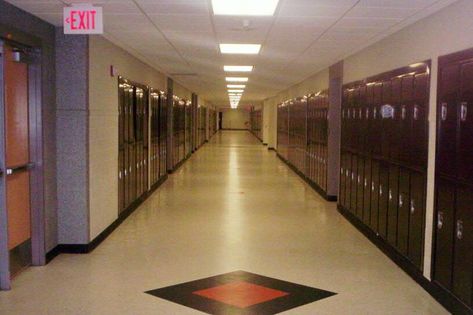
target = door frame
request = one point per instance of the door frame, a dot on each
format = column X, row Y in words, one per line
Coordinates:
column 33, row 46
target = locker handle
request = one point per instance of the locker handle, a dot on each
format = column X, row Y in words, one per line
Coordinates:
column 413, row 207
column 401, row 201
column 459, row 229
column 380, row 190
column 444, row 111
column 463, row 111
column 19, row 169
column 440, row 220
column 372, row 186
column 390, row 195
column 366, row 182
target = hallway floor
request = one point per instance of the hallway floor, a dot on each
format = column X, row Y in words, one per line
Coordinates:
column 233, row 206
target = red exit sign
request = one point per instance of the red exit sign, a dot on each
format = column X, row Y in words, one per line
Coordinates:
column 83, row 19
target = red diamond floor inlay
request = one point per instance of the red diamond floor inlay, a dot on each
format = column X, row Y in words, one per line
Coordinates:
column 241, row 294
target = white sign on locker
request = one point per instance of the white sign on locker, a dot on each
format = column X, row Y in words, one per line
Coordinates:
column 83, row 19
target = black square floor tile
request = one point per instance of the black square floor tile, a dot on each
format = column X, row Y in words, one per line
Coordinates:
column 241, row 293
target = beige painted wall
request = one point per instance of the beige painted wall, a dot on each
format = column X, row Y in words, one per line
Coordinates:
column 235, row 119
column 103, row 124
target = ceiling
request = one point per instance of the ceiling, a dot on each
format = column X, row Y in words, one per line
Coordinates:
column 181, row 37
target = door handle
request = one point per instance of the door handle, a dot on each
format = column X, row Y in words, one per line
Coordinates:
column 19, row 168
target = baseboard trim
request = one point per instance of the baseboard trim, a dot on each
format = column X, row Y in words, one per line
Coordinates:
column 314, row 186
column 88, row 248
column 233, row 129
column 271, row 149
column 448, row 300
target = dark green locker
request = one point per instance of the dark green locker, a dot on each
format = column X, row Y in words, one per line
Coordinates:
column 403, row 212
column 463, row 250
column 383, row 199
column 374, row 195
column 445, row 233
column 393, row 204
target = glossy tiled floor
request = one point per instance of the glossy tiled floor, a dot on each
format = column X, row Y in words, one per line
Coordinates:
column 232, row 206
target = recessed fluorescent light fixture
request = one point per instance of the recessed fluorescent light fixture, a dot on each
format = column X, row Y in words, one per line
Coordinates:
column 236, row 86
column 248, row 49
column 238, row 68
column 235, row 91
column 235, row 94
column 244, row 7
column 236, row 79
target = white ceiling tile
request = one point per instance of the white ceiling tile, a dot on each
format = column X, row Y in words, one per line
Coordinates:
column 397, row 3
column 289, row 9
column 368, row 22
column 381, row 12
column 191, row 23
column 175, row 7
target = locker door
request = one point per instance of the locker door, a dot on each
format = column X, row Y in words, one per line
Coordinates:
column 403, row 212
column 353, row 184
column 416, row 220
column 383, row 199
column 445, row 231
column 386, row 123
column 367, row 192
column 370, row 134
column 374, row 195
column 341, row 193
column 447, row 120
column 393, row 196
column 465, row 145
column 394, row 129
column 376, row 120
column 121, row 144
column 419, row 111
column 360, row 187
column 405, row 132
column 348, row 171
column 463, row 256
column 363, row 119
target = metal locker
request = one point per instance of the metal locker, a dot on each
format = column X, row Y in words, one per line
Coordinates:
column 341, row 192
column 367, row 192
column 444, row 233
column 393, row 203
column 353, row 184
column 376, row 122
column 465, row 137
column 362, row 106
column 347, row 179
column 383, row 199
column 403, row 212
column 385, row 121
column 360, row 187
column 463, row 253
column 356, row 135
column 374, row 195
column 447, row 120
column 405, row 132
column 418, row 116
column 370, row 132
column 394, row 124
column 416, row 219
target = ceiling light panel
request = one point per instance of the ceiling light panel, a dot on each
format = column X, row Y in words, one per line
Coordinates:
column 236, row 79
column 238, row 68
column 247, row 49
column 235, row 91
column 236, row 86
column 244, row 7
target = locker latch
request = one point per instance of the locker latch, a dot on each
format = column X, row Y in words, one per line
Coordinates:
column 390, row 195
column 444, row 111
column 372, row 186
column 366, row 182
column 440, row 220
column 413, row 207
column 359, row 179
column 380, row 190
column 416, row 112
column 403, row 112
column 459, row 229
column 464, row 111
column 401, row 201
